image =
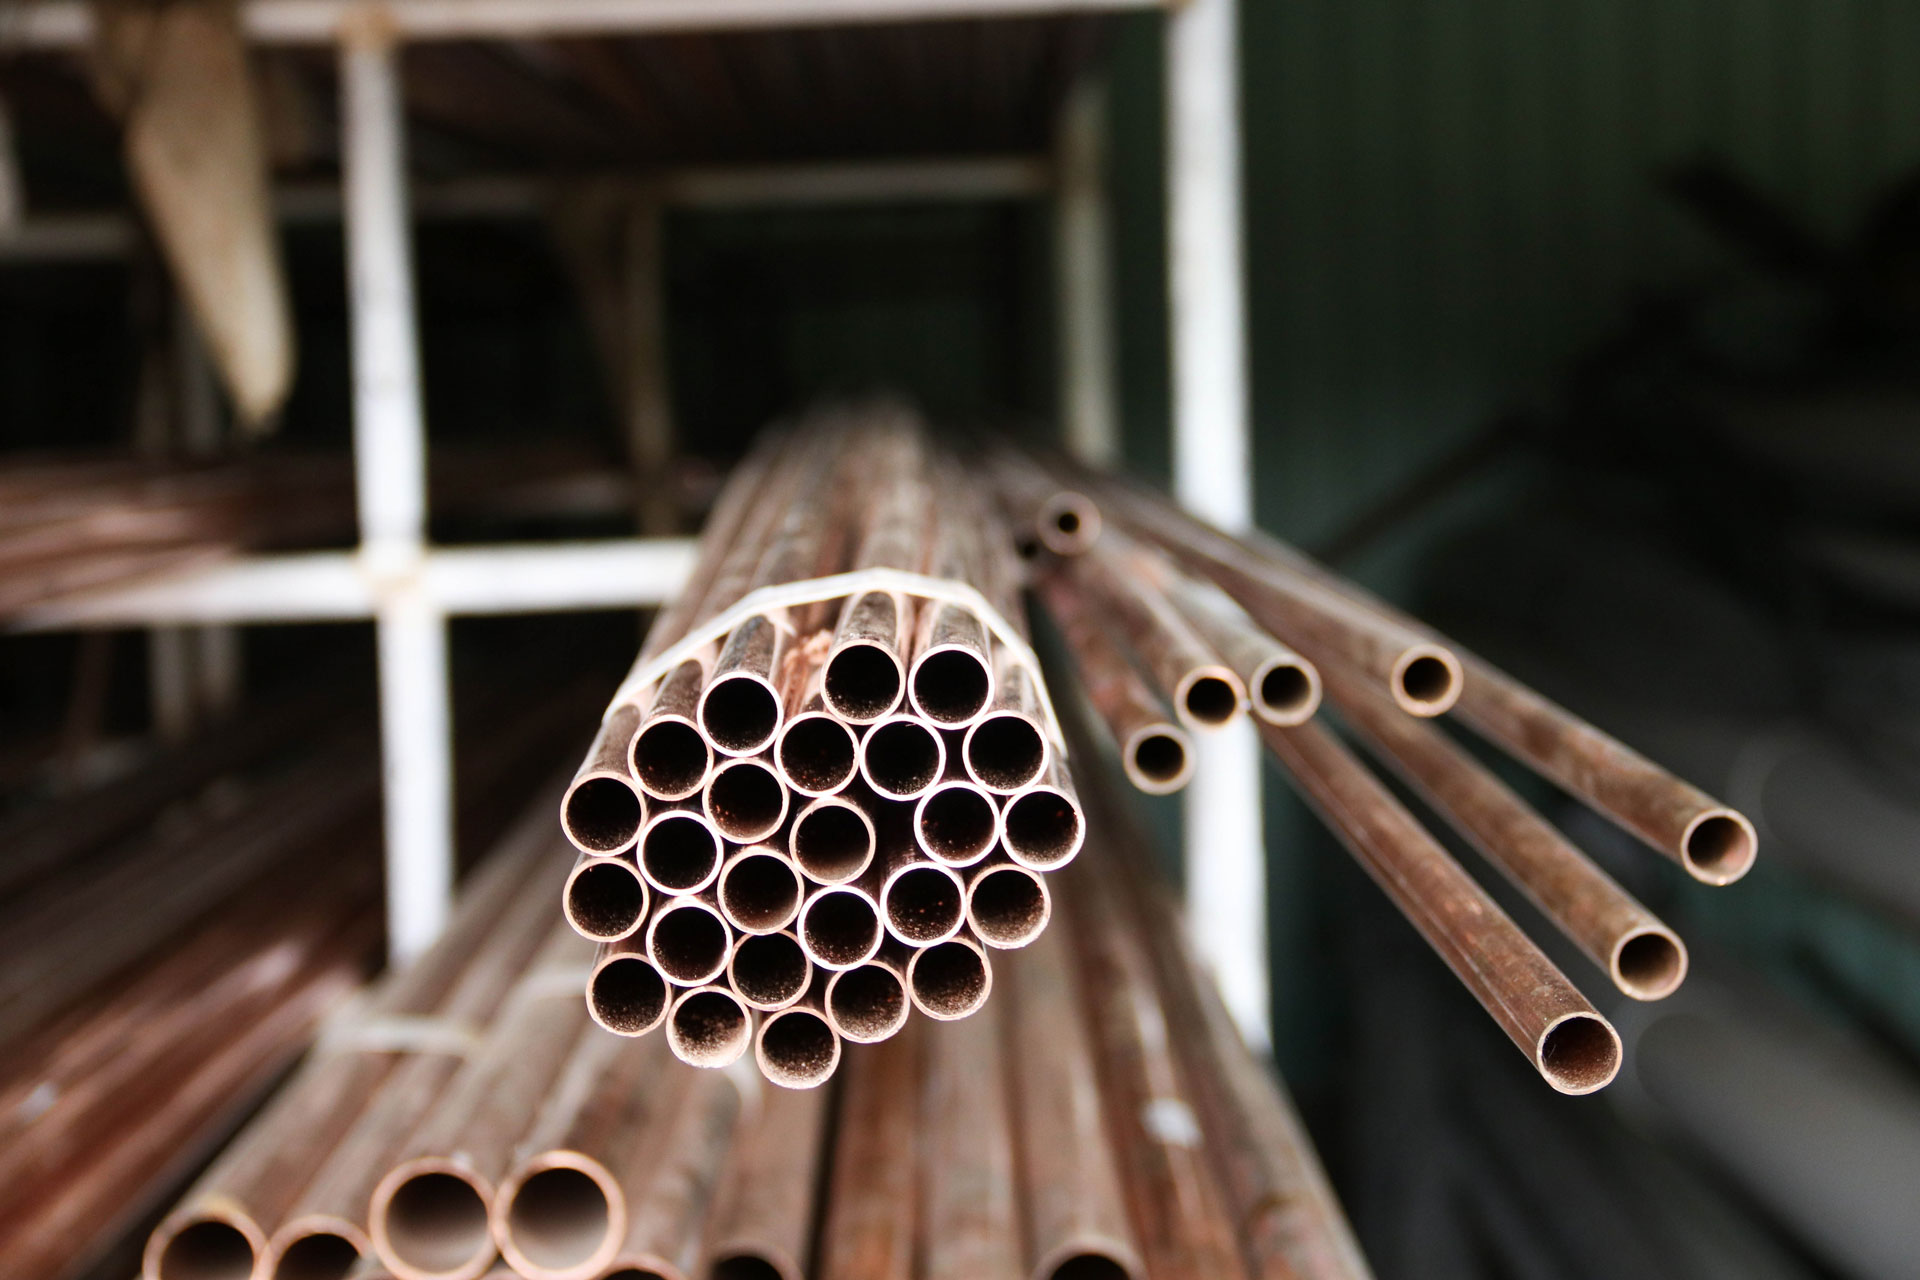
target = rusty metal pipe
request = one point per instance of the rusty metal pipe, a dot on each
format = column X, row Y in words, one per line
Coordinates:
column 605, row 899
column 762, row 1224
column 708, row 1027
column 672, row 1181
column 817, row 753
column 833, row 840
column 1282, row 687
column 956, row 823
column 840, row 926
column 687, row 940
column 923, row 902
column 902, row 756
column 1007, row 905
column 950, row 980
column 950, row 681
column 868, row 1003
column 865, row 677
column 868, row 1232
column 680, row 851
column 970, row 1222
column 798, row 1047
column 746, row 800
column 669, row 755
column 1006, row 749
column 740, row 708
column 602, row 811
column 760, row 890
column 769, row 971
column 1042, row 826
column 1061, row 519
column 626, row 992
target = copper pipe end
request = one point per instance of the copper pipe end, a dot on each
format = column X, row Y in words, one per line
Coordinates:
column 868, row 1003
column 605, row 899
column 797, row 1048
column 740, row 713
column 902, row 757
column 670, row 757
column 1008, row 905
column 1158, row 759
column 760, row 890
column 1718, row 846
column 832, row 841
column 1649, row 964
column 746, row 800
column 816, row 754
column 709, row 1027
column 864, row 678
column 428, row 1220
column 1088, row 1261
column 627, row 995
column 950, row 980
column 1426, row 680
column 1578, row 1053
column 679, row 852
column 754, row 1264
column 602, row 813
column 1068, row 523
column 1284, row 691
column 1005, row 751
column 317, row 1247
column 213, row 1244
column 1043, row 827
column 840, row 927
column 769, row 971
column 687, row 940
column 923, row 903
column 956, row 823
column 1208, row 697
column 950, row 685
column 561, row 1217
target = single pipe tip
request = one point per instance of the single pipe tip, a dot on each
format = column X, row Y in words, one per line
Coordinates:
column 645, row 1268
column 746, row 800
column 950, row 980
column 740, row 713
column 840, row 927
column 950, row 685
column 1579, row 1053
column 924, row 903
column 680, row 852
column 755, row 1262
column 1208, row 697
column 1042, row 828
column 760, row 890
column 1426, row 680
column 670, row 757
column 1068, row 523
column 318, row 1248
column 1285, row 691
column 832, row 841
column 1649, row 964
column 769, row 971
column 902, row 757
column 1158, row 759
column 816, row 754
column 602, row 813
column 1008, row 906
column 956, row 823
column 868, row 1003
column 214, row 1244
column 687, row 940
column 429, row 1221
column 1005, row 751
column 797, row 1048
column 1080, row 1260
column 709, row 1027
column 1719, row 846
column 562, row 1218
column 863, row 682
column 605, row 899
column 627, row 995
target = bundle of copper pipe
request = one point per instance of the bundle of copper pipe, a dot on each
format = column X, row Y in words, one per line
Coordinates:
column 831, row 789
column 1176, row 627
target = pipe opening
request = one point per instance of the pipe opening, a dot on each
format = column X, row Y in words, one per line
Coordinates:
column 1210, row 700
column 1042, row 828
column 640, row 1273
column 818, row 754
column 868, row 1003
column 1006, row 752
column 1719, row 847
column 840, row 928
column 1089, row 1266
column 559, row 1219
column 903, row 758
column 747, row 801
column 211, row 1249
column 708, row 1028
column 1285, row 694
column 760, row 891
column 1008, row 907
column 1159, row 759
column 1069, row 523
column 603, row 814
column 680, row 853
column 798, row 1050
column 862, row 682
column 1648, row 966
column 437, row 1223
column 924, row 904
column 627, row 996
column 689, row 944
column 833, row 842
column 1427, row 685
column 605, row 900
column 671, row 759
column 1580, row 1053
column 957, row 824
column 949, row 980
column 319, row 1256
column 746, row 1266
column 769, row 970
column 952, row 686
column 740, row 713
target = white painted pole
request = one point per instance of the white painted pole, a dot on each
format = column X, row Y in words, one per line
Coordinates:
column 1088, row 413
column 1212, row 476
column 390, row 456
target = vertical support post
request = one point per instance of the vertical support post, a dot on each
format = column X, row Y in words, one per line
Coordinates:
column 390, row 479
column 1213, row 476
column 1089, row 417
column 649, row 402
column 215, row 649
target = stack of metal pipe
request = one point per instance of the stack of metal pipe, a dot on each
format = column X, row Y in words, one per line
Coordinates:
column 1178, row 628
column 833, row 786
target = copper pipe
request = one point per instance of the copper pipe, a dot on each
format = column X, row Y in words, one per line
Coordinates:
column 760, row 890
column 956, row 823
column 950, row 980
column 1006, row 748
column 687, row 940
column 817, row 753
column 605, row 899
column 869, row 1228
column 1063, row 521
column 671, row 1183
column 769, row 971
column 708, row 1027
column 740, row 708
column 969, row 1223
column 797, row 1047
column 832, row 840
column 762, row 1222
column 626, row 992
column 680, row 851
column 865, row 677
column 669, row 755
column 840, row 926
column 1645, row 959
column 868, row 1003
column 603, row 810
column 1570, row 1044
column 1007, row 905
column 923, row 902
column 902, row 756
column 1042, row 827
column 950, row 681
column 1282, row 687
column 746, row 800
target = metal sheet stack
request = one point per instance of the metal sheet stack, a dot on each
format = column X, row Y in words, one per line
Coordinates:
column 833, row 784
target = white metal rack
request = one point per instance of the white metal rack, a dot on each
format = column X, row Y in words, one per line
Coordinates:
column 409, row 588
